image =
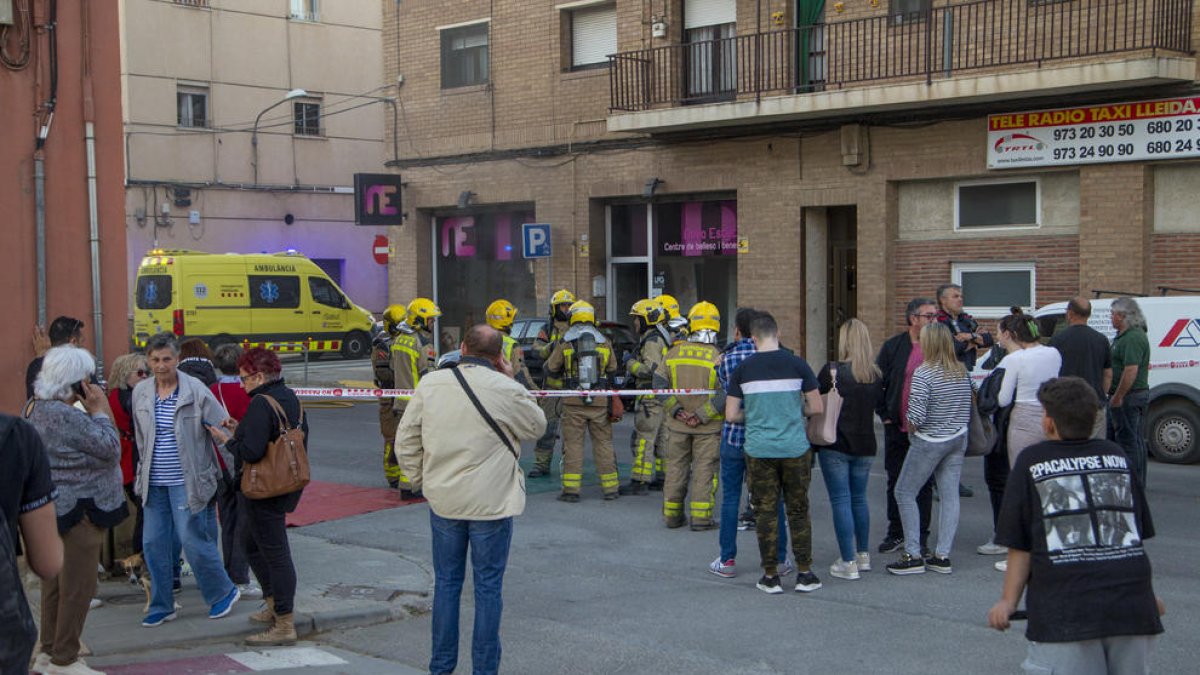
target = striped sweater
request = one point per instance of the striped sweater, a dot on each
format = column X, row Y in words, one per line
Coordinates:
column 939, row 403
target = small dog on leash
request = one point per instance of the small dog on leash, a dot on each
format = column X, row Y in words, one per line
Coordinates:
column 135, row 567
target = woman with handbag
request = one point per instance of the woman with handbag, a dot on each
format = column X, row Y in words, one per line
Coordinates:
column 844, row 436
column 274, row 410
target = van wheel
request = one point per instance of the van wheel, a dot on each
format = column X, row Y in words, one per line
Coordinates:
column 1173, row 430
column 356, row 345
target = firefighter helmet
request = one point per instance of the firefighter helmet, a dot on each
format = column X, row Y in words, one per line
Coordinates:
column 500, row 315
column 582, row 312
column 704, row 316
column 669, row 304
column 649, row 310
column 393, row 316
column 421, row 312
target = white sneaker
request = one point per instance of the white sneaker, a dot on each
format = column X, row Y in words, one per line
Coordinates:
column 844, row 569
column 250, row 590
column 991, row 548
column 40, row 662
column 723, row 568
column 95, row 602
column 1002, row 565
column 863, row 560
column 76, row 668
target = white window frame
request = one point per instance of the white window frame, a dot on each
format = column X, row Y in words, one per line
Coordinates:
column 611, row 310
column 194, row 89
column 986, row 312
column 442, row 52
column 305, row 10
column 572, row 12
column 320, row 117
column 1037, row 182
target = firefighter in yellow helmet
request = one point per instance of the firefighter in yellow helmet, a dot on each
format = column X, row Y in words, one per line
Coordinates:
column 649, row 435
column 413, row 355
column 694, row 444
column 381, row 363
column 583, row 358
column 552, row 332
column 500, row 315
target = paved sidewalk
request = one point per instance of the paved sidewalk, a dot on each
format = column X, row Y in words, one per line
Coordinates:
column 340, row 585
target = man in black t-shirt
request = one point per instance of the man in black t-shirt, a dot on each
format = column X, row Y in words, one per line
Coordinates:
column 1074, row 519
column 63, row 330
column 1086, row 353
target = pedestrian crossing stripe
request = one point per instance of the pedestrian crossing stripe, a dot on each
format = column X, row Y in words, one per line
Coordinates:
column 286, row 657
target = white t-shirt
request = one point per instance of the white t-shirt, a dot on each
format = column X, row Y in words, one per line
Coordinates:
column 1025, row 370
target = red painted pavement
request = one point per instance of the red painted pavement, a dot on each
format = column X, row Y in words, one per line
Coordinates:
column 200, row 665
column 330, row 501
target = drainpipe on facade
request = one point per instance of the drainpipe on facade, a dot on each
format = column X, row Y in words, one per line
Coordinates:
column 39, row 190
column 94, row 234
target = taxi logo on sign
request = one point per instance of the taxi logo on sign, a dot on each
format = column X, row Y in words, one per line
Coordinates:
column 1017, row 143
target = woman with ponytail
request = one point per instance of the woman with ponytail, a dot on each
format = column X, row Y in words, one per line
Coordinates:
column 1028, row 364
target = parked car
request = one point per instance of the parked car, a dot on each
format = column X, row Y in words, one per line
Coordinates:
column 1173, row 326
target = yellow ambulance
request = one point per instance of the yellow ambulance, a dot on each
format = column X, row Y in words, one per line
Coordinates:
column 282, row 301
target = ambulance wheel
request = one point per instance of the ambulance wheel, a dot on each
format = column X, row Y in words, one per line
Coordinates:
column 356, row 345
column 1173, row 428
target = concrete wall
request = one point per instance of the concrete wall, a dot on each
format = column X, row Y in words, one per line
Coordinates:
column 68, row 258
column 249, row 54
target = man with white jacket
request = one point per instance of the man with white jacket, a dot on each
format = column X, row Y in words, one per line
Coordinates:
column 458, row 442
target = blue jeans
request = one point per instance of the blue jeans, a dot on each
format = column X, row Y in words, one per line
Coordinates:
column 1125, row 424
column 846, row 481
column 733, row 474
column 943, row 460
column 489, row 541
column 168, row 518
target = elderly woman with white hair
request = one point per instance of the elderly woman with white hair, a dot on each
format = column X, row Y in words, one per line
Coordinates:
column 84, row 450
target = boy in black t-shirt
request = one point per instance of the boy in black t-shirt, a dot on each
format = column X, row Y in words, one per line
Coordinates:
column 1074, row 519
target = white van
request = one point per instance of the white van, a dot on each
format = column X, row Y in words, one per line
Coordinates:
column 1173, row 326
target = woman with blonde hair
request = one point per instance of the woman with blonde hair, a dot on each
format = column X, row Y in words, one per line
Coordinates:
column 939, row 412
column 846, row 465
column 127, row 370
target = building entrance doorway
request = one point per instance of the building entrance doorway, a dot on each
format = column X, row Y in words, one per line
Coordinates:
column 830, row 277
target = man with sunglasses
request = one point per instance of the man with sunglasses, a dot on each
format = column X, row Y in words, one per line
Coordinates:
column 898, row 359
column 63, row 330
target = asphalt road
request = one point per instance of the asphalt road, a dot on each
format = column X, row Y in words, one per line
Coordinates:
column 604, row 587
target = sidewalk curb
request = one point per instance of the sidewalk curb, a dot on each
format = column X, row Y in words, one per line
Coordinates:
column 355, row 617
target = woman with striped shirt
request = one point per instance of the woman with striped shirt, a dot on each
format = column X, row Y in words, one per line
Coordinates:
column 939, row 411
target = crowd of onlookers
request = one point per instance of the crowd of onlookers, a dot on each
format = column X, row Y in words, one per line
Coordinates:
column 166, row 442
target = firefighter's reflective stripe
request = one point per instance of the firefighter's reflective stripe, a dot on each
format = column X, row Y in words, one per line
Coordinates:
column 407, row 345
column 608, row 481
column 673, row 366
column 510, row 343
column 672, row 509
column 572, row 480
column 571, row 368
column 704, row 510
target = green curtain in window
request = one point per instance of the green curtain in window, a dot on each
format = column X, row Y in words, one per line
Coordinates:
column 808, row 13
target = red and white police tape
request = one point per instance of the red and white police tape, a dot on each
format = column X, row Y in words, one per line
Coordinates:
column 351, row 393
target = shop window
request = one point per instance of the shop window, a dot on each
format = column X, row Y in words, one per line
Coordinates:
column 997, row 204
column 593, row 31
column 274, row 292
column 627, row 238
column 991, row 289
column 479, row 260
column 465, row 55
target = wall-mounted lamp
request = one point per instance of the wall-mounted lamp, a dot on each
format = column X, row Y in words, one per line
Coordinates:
column 464, row 198
column 651, row 187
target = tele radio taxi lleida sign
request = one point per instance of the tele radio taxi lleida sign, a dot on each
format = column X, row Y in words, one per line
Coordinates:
column 1121, row 132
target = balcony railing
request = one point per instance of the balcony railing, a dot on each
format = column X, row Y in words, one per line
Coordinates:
column 935, row 44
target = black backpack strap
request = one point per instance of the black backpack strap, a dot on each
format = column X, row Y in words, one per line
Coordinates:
column 486, row 415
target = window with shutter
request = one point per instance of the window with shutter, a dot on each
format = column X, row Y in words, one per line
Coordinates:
column 593, row 35
column 699, row 13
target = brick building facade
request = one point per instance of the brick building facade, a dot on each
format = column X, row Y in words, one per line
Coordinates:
column 820, row 160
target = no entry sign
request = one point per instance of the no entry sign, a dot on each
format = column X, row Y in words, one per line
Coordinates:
column 380, row 249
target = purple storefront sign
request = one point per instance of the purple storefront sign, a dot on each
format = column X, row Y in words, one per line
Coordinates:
column 705, row 229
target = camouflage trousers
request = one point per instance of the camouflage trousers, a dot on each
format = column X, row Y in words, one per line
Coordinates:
column 768, row 478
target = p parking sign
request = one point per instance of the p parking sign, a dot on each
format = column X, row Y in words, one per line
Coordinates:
column 535, row 238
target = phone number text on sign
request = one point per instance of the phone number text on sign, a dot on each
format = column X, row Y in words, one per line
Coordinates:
column 1123, row 132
